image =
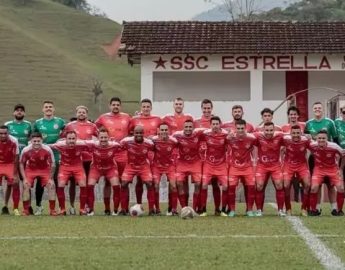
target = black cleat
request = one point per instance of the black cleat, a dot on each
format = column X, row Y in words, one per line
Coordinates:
column 217, row 212
column 5, row 211
column 158, row 212
column 314, row 213
column 31, row 211
column 123, row 213
column 334, row 213
column 340, row 213
column 107, row 212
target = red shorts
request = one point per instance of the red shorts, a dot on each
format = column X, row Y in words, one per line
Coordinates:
column 184, row 169
column 263, row 171
column 65, row 172
column 319, row 174
column 157, row 173
column 142, row 171
column 301, row 171
column 31, row 175
column 218, row 171
column 245, row 174
column 7, row 170
column 96, row 173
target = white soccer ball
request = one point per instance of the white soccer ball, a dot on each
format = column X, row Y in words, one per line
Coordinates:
column 136, row 210
column 187, row 212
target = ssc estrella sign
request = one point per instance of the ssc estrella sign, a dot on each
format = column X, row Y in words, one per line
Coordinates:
column 247, row 62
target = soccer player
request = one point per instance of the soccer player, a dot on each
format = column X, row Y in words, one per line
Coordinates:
column 85, row 130
column 215, row 165
column 163, row 163
column 267, row 117
column 188, row 162
column 37, row 161
column 104, row 153
column 313, row 126
column 150, row 125
column 326, row 154
column 295, row 164
column 138, row 149
column 117, row 123
column 204, row 122
column 50, row 127
column 269, row 143
column 237, row 114
column 241, row 145
column 9, row 155
column 71, row 166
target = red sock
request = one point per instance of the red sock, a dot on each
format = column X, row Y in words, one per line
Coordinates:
column 203, row 198
column 15, row 196
column 305, row 201
column 26, row 205
column 216, row 194
column 280, row 197
column 90, row 197
column 124, row 198
column 182, row 199
column 106, row 201
column 139, row 190
column 61, row 197
column 232, row 198
column 116, row 197
column 340, row 200
column 259, row 199
column 52, row 205
column 313, row 201
column 151, row 197
column 287, row 199
column 250, row 197
column 82, row 198
column 157, row 200
column 196, row 197
column 224, row 198
column 173, row 200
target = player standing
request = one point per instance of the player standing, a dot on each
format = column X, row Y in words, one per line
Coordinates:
column 267, row 117
column 237, row 114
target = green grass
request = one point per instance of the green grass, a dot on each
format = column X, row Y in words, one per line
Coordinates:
column 49, row 51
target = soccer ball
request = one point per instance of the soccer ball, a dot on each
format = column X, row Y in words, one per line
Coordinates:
column 187, row 212
column 136, row 210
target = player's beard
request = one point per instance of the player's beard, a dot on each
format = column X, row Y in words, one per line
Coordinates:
column 19, row 117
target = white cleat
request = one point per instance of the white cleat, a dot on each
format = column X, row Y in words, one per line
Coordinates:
column 91, row 214
column 281, row 213
column 259, row 213
column 39, row 211
column 114, row 213
column 72, row 211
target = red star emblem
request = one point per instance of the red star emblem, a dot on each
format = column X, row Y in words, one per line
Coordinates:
column 160, row 62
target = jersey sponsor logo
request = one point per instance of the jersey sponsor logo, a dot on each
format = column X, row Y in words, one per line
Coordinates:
column 56, row 126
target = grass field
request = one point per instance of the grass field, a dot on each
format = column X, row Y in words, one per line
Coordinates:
column 49, row 51
column 101, row 242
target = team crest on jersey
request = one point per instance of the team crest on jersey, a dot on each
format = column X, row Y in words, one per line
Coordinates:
column 144, row 151
column 247, row 146
column 329, row 155
column 169, row 149
column 56, row 126
column 110, row 153
column 26, row 132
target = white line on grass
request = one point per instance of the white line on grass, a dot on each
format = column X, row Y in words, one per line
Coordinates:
column 326, row 256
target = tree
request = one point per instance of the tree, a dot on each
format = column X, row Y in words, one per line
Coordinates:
column 77, row 4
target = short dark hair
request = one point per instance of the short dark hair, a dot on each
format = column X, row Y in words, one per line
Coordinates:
column 237, row 107
column 215, row 118
column 102, row 129
column 322, row 131
column 268, row 124
column 178, row 99
column 317, row 102
column 295, row 127
column 240, row 122
column 4, row 127
column 71, row 132
column 293, row 108
column 48, row 101
column 36, row 135
column 163, row 124
column 146, row 100
column 266, row 110
column 19, row 106
column 189, row 121
column 115, row 99
column 206, row 101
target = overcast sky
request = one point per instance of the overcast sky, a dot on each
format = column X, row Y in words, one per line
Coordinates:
column 131, row 10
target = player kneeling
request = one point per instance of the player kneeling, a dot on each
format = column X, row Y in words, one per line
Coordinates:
column 37, row 161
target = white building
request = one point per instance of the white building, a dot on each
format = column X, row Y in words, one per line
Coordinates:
column 256, row 64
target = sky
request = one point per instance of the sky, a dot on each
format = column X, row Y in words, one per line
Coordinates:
column 141, row 10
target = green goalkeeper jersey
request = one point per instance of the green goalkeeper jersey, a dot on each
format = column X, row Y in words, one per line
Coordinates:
column 340, row 127
column 21, row 130
column 313, row 126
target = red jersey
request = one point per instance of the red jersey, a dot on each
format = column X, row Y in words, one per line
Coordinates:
column 137, row 153
column 231, row 127
column 261, row 128
column 9, row 149
column 295, row 152
column 163, row 151
column 70, row 155
column 41, row 159
column 202, row 122
column 287, row 127
column 176, row 121
column 116, row 124
column 269, row 149
column 188, row 146
column 103, row 157
column 149, row 123
column 241, row 150
column 326, row 156
column 216, row 146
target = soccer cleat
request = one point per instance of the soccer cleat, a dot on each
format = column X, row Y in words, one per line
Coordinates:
column 39, row 211
column 259, row 213
column 158, row 212
column 90, row 214
column 319, row 211
column 334, row 212
column 288, row 212
column 232, row 214
column 114, row 213
column 304, row 213
column 203, row 214
column 31, row 211
column 174, row 213
column 62, row 212
column 250, row 214
column 169, row 214
column 107, row 212
column 152, row 213
column 340, row 213
column 123, row 213
column 313, row 213
column 281, row 213
column 16, row 212
column 72, row 211
column 26, row 213
column 223, row 214
column 217, row 212
column 5, row 211
column 53, row 213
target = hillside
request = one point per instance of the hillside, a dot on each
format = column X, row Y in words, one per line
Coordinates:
column 49, row 51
